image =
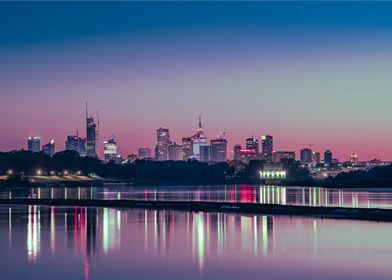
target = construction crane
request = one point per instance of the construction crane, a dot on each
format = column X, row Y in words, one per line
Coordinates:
column 223, row 134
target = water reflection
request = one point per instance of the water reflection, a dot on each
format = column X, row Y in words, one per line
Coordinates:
column 230, row 193
column 90, row 240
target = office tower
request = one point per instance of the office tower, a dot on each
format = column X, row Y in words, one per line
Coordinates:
column 187, row 147
column 110, row 150
column 279, row 155
column 306, row 156
column 162, row 147
column 328, row 157
column 91, row 136
column 75, row 143
column 267, row 147
column 49, row 149
column 34, row 143
column 205, row 153
column 252, row 144
column 316, row 158
column 176, row 152
column 144, row 153
column 237, row 152
column 198, row 141
column 219, row 150
column 247, row 155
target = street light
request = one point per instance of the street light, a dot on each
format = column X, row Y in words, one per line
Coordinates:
column 52, row 173
column 9, row 172
column 65, row 172
column 39, row 172
column 79, row 173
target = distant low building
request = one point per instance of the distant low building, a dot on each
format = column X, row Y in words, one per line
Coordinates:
column 237, row 152
column 110, row 150
column 144, row 153
column 273, row 173
column 175, row 152
column 306, row 156
column 278, row 156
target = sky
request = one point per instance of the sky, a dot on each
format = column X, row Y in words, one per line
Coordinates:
column 304, row 72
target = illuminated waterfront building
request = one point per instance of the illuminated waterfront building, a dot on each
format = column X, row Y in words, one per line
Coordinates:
column 279, row 155
column 187, row 147
column 175, row 152
column 75, row 143
column 49, row 149
column 144, row 153
column 219, row 150
column 267, row 147
column 34, row 143
column 328, row 157
column 306, row 156
column 110, row 150
column 162, row 147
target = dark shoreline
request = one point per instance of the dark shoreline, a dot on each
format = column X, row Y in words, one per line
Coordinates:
column 366, row 214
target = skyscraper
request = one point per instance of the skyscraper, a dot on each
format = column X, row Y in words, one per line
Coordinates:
column 163, row 141
column 328, row 157
column 176, row 152
column 252, row 144
column 316, row 158
column 34, row 143
column 306, row 156
column 205, row 153
column 75, row 143
column 267, row 147
column 91, row 136
column 237, row 152
column 219, row 150
column 187, row 147
column 49, row 149
column 110, row 150
column 144, row 153
column 198, row 140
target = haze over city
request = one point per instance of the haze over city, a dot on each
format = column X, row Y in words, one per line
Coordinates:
column 302, row 72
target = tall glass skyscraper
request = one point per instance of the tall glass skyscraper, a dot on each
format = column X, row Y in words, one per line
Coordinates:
column 163, row 141
column 267, row 147
column 34, row 143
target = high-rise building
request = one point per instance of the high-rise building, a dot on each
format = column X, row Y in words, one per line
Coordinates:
column 91, row 136
column 247, row 155
column 34, row 143
column 252, row 144
column 187, row 147
column 75, row 143
column 237, row 152
column 110, row 150
column 219, row 150
column 306, row 156
column 144, row 153
column 198, row 140
column 163, row 141
column 176, row 152
column 328, row 157
column 205, row 153
column 279, row 155
column 49, row 149
column 267, row 147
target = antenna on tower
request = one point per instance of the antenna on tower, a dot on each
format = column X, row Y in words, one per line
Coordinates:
column 77, row 141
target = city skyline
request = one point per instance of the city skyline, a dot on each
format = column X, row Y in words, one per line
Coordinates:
column 314, row 77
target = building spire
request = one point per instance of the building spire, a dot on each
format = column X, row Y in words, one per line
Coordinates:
column 200, row 127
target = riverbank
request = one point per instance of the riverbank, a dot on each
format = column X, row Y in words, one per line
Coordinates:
column 369, row 214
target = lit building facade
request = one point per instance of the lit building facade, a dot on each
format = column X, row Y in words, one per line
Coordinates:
column 278, row 156
column 110, row 150
column 252, row 144
column 205, row 153
column 267, row 147
column 187, row 147
column 237, row 152
column 219, row 150
column 49, row 149
column 198, row 140
column 316, row 158
column 34, row 143
column 176, row 152
column 91, row 141
column 75, row 143
column 163, row 142
column 144, row 153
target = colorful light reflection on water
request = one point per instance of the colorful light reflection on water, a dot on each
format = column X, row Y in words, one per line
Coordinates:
column 102, row 243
